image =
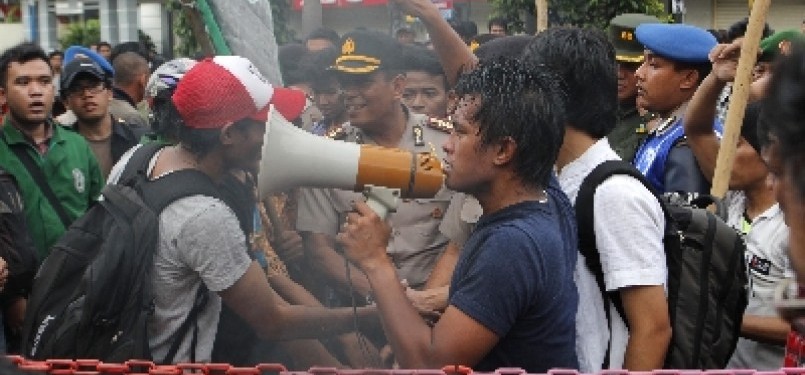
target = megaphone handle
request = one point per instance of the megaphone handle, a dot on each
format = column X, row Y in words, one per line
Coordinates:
column 382, row 200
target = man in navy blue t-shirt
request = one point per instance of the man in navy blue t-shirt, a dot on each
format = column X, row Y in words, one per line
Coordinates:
column 512, row 297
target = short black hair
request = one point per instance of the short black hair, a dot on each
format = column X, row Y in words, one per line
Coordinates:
column 324, row 33
column 420, row 59
column 738, row 29
column 128, row 65
column 500, row 21
column 316, row 66
column 509, row 46
column 585, row 61
column 532, row 100
column 136, row 47
column 21, row 53
column 783, row 111
column 55, row 53
column 702, row 68
column 104, row 44
column 289, row 56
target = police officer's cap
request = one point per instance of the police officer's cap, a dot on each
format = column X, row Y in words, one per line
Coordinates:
column 622, row 36
column 364, row 52
column 677, row 42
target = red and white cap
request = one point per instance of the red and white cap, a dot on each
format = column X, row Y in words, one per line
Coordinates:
column 225, row 89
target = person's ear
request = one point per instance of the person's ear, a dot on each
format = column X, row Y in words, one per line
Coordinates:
column 504, row 151
column 690, row 79
column 228, row 134
column 398, row 83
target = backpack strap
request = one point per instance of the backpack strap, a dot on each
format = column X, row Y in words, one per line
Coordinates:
column 159, row 194
column 586, row 228
column 41, row 181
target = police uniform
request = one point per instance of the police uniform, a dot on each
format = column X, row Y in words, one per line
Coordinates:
column 416, row 242
column 663, row 157
column 631, row 127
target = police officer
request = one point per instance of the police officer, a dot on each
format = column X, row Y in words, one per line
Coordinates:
column 369, row 69
column 87, row 91
column 630, row 129
column 676, row 62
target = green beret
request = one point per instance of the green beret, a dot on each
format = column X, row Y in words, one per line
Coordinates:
column 621, row 34
column 770, row 46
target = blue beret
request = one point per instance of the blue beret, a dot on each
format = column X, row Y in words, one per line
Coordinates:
column 677, row 42
column 71, row 53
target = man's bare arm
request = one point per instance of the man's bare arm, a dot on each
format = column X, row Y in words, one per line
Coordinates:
column 646, row 309
column 453, row 53
column 325, row 261
column 272, row 318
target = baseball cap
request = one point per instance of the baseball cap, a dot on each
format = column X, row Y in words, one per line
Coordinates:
column 621, row 34
column 80, row 51
column 224, row 89
column 364, row 52
column 78, row 66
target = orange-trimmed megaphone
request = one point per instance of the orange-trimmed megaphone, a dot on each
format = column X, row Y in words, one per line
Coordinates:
column 293, row 157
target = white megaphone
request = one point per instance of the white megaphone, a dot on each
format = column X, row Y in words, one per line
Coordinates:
column 292, row 157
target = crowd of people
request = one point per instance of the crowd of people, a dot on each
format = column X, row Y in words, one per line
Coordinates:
column 488, row 272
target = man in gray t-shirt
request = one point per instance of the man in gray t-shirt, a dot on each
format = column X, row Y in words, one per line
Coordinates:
column 221, row 106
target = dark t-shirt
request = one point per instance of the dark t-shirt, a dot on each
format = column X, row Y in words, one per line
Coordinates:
column 515, row 277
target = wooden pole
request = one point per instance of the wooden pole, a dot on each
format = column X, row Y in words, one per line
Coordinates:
column 740, row 94
column 542, row 14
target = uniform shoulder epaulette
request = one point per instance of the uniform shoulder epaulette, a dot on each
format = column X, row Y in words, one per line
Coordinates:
column 442, row 125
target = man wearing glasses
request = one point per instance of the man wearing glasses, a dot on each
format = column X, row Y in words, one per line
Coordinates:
column 86, row 90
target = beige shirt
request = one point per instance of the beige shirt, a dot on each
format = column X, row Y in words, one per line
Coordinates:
column 416, row 242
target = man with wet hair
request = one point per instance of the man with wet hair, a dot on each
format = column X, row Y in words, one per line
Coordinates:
column 512, row 297
column 61, row 156
column 630, row 247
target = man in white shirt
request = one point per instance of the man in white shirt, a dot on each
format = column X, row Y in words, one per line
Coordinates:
column 629, row 222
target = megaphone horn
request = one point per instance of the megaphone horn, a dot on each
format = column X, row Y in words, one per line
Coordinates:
column 292, row 157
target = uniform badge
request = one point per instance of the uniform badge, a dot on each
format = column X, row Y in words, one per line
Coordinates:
column 437, row 213
column 419, row 136
column 79, row 182
column 348, row 47
column 444, row 126
column 359, row 138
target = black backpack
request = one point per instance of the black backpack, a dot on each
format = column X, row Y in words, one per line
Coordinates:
column 92, row 295
column 707, row 278
column 16, row 246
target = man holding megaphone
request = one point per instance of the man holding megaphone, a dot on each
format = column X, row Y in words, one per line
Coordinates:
column 512, row 298
column 370, row 71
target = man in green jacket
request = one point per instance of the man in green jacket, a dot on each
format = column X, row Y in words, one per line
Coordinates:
column 65, row 160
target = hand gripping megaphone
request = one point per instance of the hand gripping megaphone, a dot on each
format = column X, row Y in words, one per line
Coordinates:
column 292, row 157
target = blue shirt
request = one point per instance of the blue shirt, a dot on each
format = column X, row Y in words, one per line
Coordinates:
column 515, row 277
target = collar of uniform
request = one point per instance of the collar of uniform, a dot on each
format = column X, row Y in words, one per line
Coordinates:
column 406, row 133
column 628, row 109
column 13, row 135
column 122, row 95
